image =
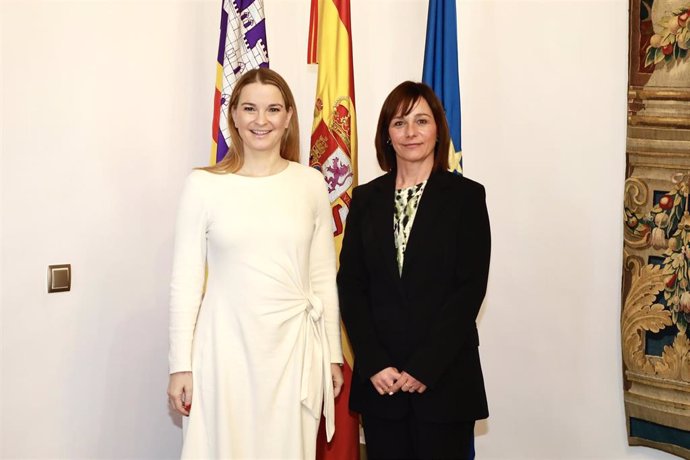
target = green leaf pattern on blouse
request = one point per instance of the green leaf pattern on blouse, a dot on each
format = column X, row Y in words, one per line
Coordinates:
column 406, row 204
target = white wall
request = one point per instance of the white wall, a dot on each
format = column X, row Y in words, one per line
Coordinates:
column 105, row 107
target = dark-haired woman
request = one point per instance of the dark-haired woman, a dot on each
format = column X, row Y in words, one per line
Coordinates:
column 413, row 273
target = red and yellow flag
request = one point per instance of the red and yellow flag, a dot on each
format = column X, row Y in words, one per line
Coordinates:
column 334, row 153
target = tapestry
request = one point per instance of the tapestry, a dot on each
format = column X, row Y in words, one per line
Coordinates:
column 656, row 254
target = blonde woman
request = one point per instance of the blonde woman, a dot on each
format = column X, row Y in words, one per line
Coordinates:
column 254, row 358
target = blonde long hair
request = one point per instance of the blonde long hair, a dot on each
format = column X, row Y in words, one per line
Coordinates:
column 289, row 144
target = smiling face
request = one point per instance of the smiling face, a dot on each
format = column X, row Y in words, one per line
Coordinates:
column 413, row 135
column 261, row 118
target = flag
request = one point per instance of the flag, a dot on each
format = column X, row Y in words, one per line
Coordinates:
column 334, row 153
column 441, row 70
column 241, row 47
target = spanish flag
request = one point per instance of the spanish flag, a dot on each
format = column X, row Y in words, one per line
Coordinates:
column 334, row 153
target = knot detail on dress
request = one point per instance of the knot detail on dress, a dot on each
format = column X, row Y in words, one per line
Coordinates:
column 317, row 381
column 314, row 307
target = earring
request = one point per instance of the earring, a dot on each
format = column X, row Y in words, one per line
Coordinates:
column 388, row 141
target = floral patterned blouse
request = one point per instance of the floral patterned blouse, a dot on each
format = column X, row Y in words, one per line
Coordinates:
column 406, row 204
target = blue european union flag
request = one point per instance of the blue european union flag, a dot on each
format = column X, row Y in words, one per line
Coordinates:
column 441, row 70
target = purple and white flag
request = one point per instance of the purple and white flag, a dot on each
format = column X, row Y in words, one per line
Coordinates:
column 242, row 46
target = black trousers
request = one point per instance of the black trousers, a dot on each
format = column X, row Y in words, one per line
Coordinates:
column 412, row 439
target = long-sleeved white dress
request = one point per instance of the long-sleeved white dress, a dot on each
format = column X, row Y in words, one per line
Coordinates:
column 260, row 341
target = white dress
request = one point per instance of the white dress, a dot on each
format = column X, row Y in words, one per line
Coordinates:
column 261, row 341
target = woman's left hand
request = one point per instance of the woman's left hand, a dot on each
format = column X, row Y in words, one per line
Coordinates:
column 338, row 379
column 409, row 384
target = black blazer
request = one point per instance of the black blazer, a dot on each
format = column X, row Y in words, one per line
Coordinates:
column 422, row 322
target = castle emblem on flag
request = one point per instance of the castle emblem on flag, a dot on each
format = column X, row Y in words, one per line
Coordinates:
column 250, row 50
column 243, row 47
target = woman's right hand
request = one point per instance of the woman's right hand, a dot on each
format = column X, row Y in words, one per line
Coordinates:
column 180, row 392
column 384, row 380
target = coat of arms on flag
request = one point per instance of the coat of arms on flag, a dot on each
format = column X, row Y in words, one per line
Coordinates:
column 331, row 152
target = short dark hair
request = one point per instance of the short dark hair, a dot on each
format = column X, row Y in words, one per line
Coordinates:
column 401, row 101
